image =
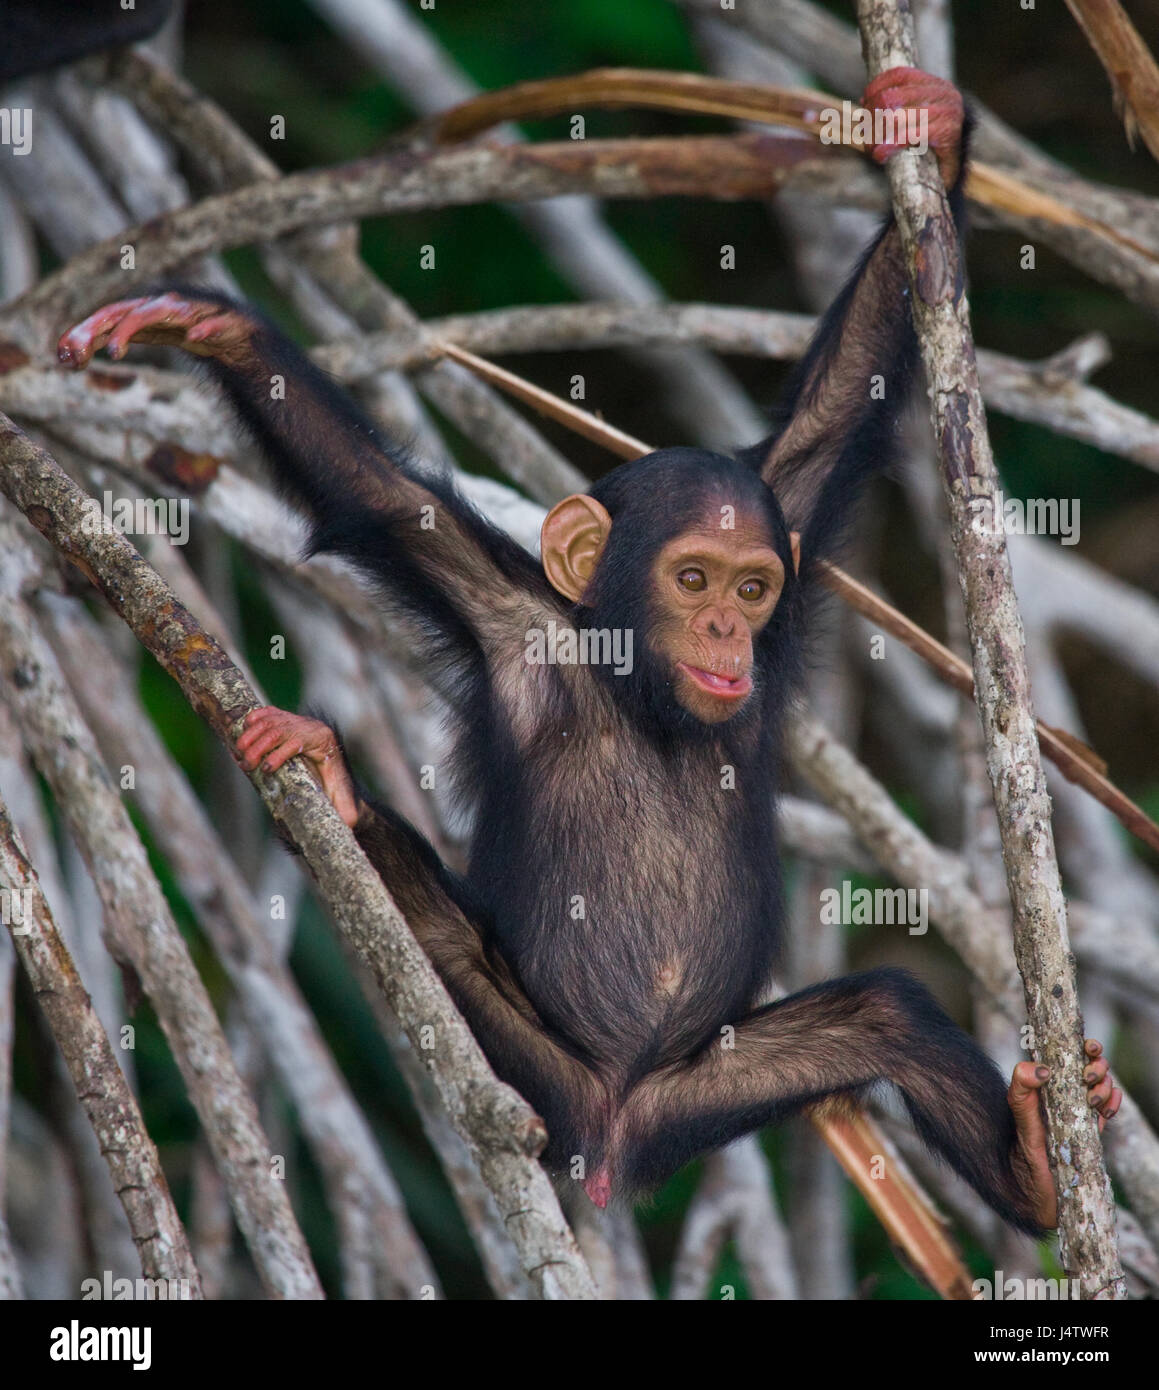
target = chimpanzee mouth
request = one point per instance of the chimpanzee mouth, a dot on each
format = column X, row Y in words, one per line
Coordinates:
column 728, row 687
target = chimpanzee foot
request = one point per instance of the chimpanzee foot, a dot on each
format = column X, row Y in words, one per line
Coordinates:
column 1029, row 1078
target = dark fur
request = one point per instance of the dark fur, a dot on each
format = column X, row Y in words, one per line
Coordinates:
column 599, row 786
column 36, row 35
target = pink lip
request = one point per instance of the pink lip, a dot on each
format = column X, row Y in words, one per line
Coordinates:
column 726, row 687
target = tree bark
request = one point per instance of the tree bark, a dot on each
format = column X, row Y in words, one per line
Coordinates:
column 1086, row 1219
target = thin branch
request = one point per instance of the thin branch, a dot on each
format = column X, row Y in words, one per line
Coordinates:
column 1052, row 392
column 898, row 1200
column 618, row 89
column 1128, row 62
column 408, row 180
column 106, row 1229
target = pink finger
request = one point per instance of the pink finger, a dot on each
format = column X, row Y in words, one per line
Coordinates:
column 911, row 93
column 288, row 750
column 1099, row 1095
column 250, row 737
column 891, row 78
column 911, row 100
column 262, row 715
column 1028, row 1076
column 263, row 745
column 896, row 97
column 259, row 716
column 269, row 735
column 150, row 313
column 83, row 339
column 210, row 327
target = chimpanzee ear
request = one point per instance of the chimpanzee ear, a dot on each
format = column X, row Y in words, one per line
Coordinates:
column 571, row 541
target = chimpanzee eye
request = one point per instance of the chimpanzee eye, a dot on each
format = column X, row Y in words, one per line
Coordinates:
column 691, row 580
column 753, row 590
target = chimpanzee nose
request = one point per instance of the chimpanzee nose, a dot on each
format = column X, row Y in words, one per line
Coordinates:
column 720, row 623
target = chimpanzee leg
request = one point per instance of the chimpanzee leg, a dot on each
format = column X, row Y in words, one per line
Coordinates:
column 571, row 1099
column 837, row 1037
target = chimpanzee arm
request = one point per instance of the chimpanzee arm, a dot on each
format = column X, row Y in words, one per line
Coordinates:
column 433, row 552
column 840, row 412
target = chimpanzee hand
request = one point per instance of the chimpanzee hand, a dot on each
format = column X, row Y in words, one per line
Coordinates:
column 277, row 736
column 1103, row 1096
column 199, row 326
column 900, row 89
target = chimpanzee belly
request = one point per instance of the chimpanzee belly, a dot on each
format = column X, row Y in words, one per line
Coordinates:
column 637, row 922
